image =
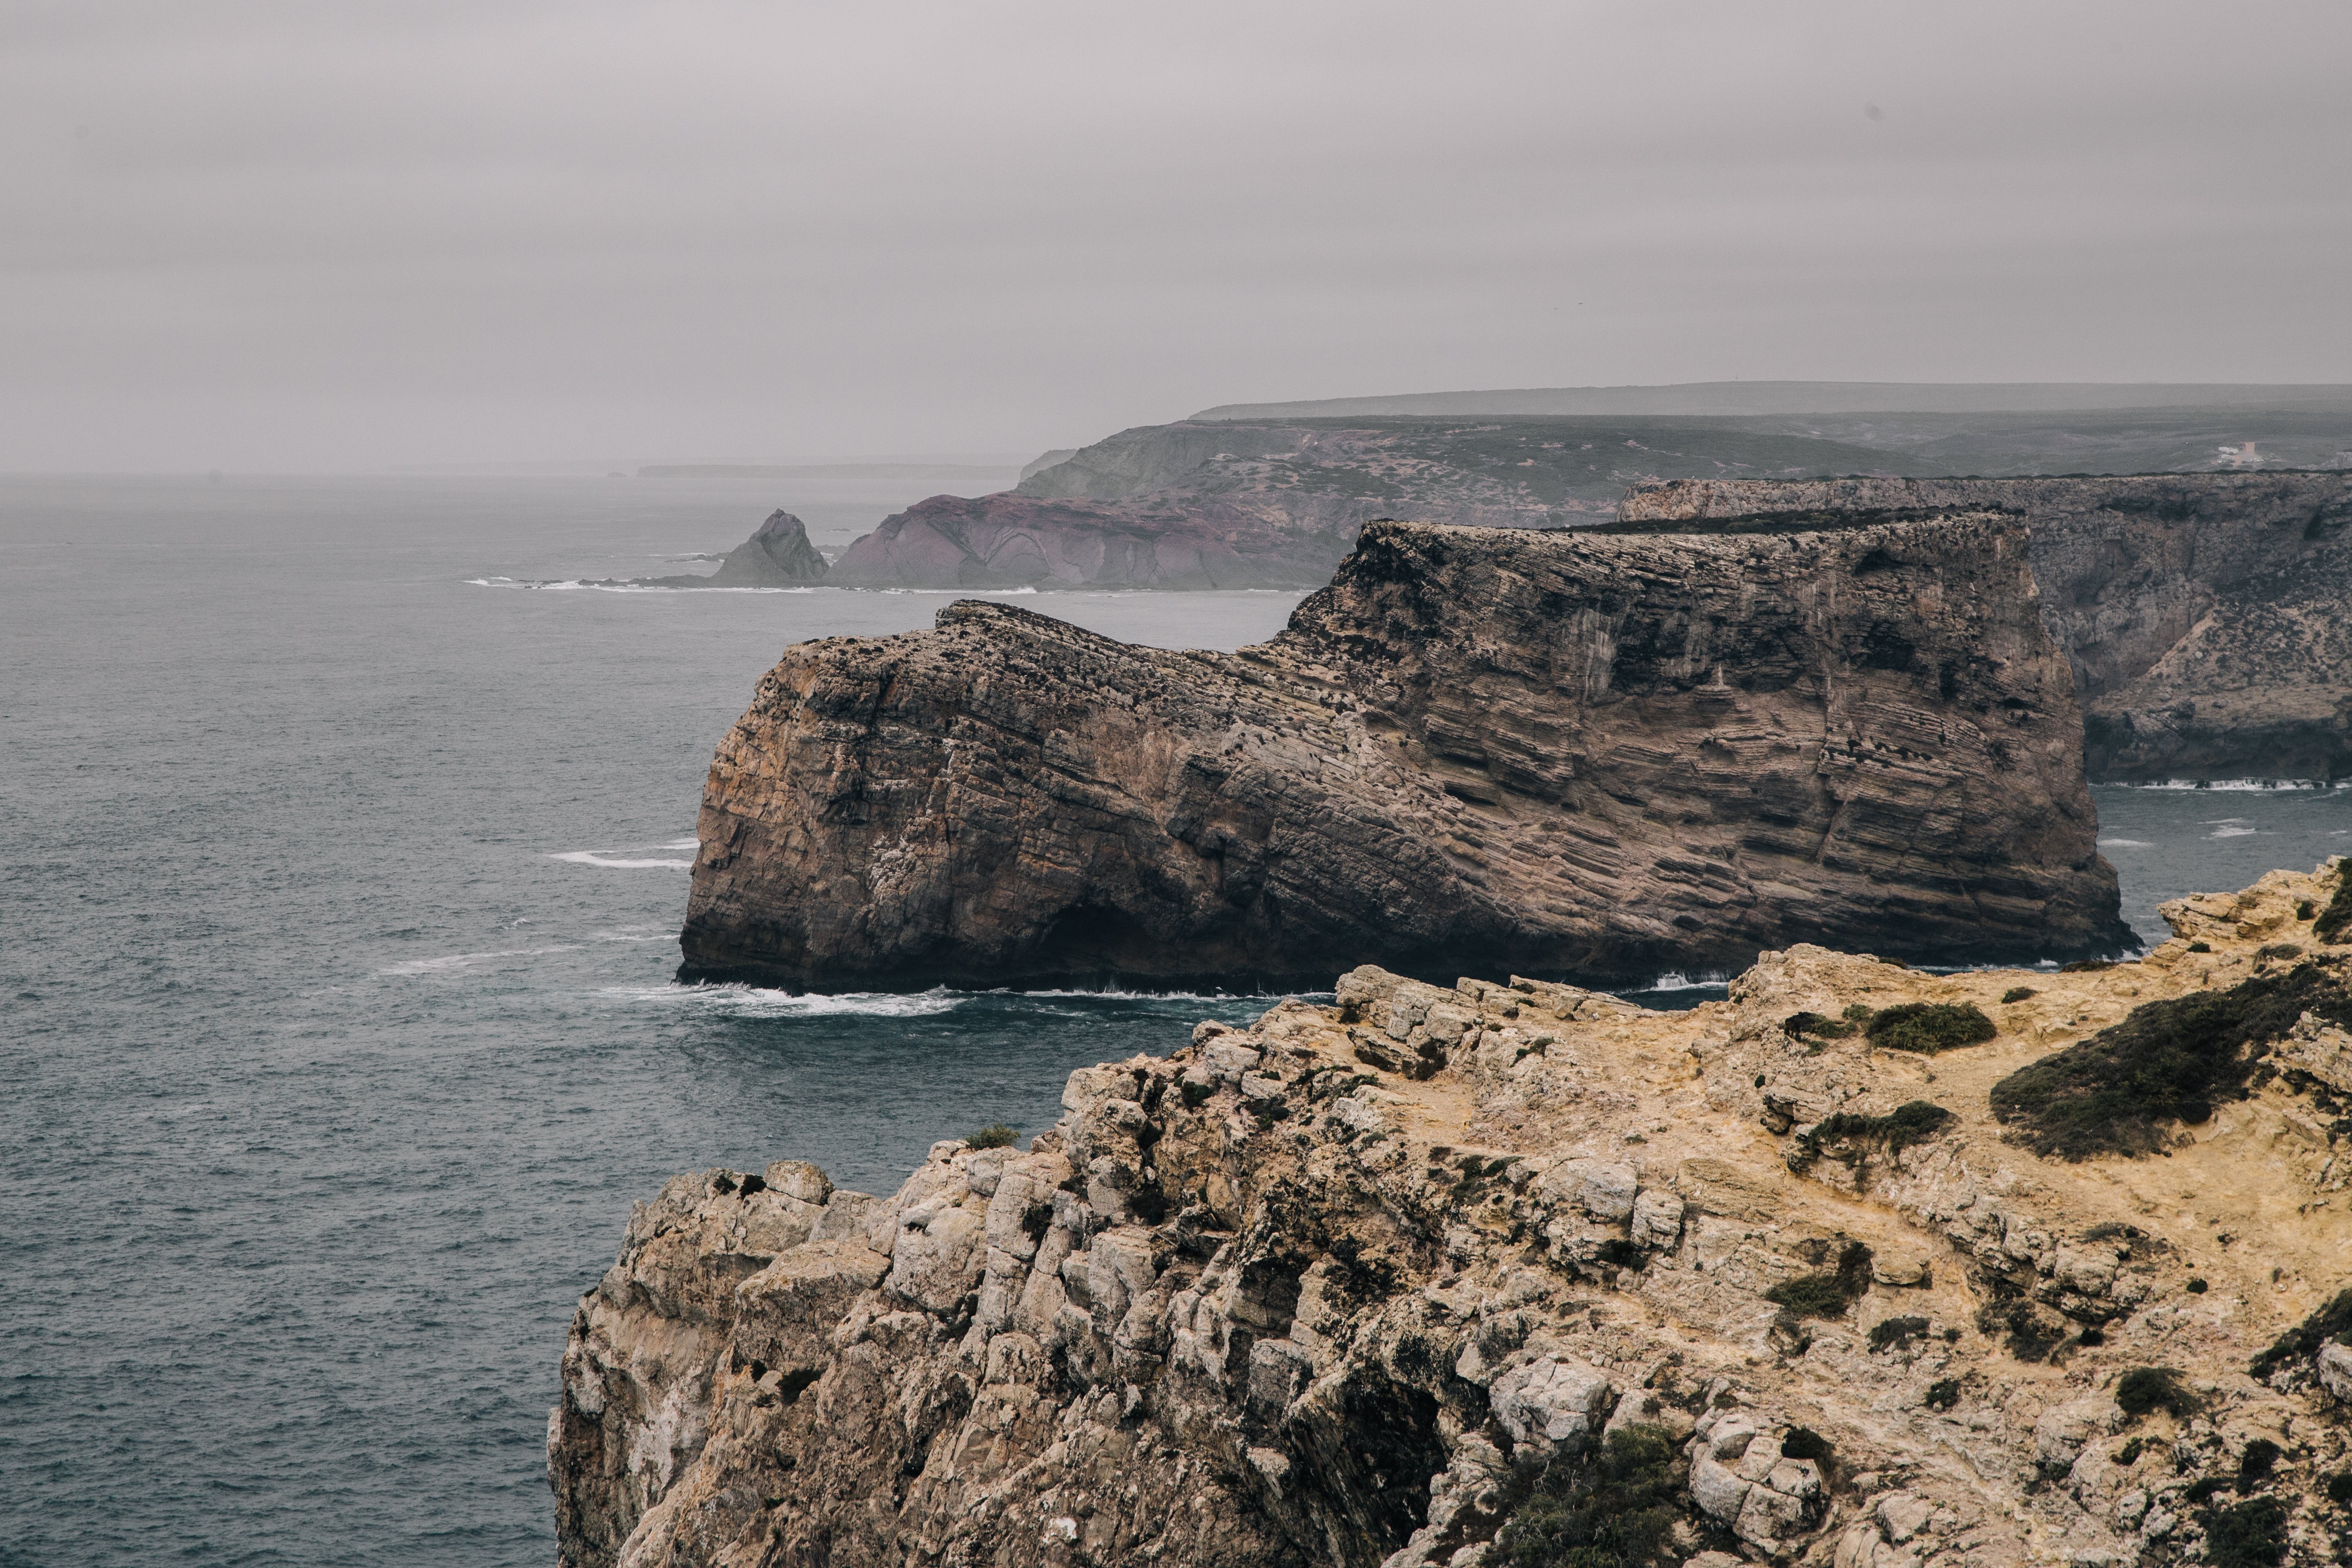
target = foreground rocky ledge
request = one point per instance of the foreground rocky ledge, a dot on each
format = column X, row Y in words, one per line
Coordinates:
column 1558, row 753
column 1377, row 1282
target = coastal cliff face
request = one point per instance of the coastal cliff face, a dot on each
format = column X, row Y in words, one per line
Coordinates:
column 1279, row 503
column 1500, row 1273
column 2204, row 616
column 1572, row 754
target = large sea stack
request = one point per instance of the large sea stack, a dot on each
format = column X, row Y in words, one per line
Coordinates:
column 1561, row 753
column 2207, row 618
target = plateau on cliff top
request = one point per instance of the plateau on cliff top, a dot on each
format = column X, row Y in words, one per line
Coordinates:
column 1604, row 756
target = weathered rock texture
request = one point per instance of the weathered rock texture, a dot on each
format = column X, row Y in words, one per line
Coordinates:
column 2208, row 618
column 1365, row 1283
column 777, row 555
column 1564, row 753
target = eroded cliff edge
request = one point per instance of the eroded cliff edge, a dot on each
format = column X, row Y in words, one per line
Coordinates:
column 1561, row 753
column 1473, row 1275
column 2208, row 618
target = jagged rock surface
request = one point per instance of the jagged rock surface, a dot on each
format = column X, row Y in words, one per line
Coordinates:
column 1356, row 1284
column 2204, row 616
column 1556, row 752
column 777, row 555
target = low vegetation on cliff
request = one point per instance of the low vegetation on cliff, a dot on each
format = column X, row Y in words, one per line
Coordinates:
column 2126, row 1089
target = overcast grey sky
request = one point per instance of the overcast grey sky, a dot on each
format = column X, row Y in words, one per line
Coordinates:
column 282, row 235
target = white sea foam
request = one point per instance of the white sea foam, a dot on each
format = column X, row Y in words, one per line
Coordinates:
column 2225, row 784
column 608, row 860
column 2229, row 830
column 2125, row 844
column 570, row 585
column 681, row 843
column 1113, row 994
column 755, row 1002
column 468, row 960
column 1685, row 982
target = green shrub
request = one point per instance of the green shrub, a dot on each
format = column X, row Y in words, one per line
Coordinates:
column 1943, row 1394
column 2340, row 1489
column 2306, row 909
column 2279, row 949
column 1910, row 1123
column 1615, row 1510
column 2018, row 994
column 996, row 1135
column 1896, row 1332
column 2130, row 1452
column 2197, row 1287
column 2337, row 915
column 2332, row 1322
column 2249, row 1535
column 2255, row 1466
column 2116, row 1093
column 1927, row 1027
column 1826, row 1295
column 1798, row 1025
column 2148, row 1388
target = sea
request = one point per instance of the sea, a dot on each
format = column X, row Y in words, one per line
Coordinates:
column 346, row 839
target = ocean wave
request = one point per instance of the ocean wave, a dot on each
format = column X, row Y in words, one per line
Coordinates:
column 2228, row 784
column 607, row 860
column 2125, row 844
column 1672, row 982
column 571, row 584
column 1113, row 994
column 415, row 966
column 2230, row 830
column 757, row 1002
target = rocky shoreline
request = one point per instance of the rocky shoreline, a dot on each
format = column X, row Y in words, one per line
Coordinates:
column 1566, row 754
column 1498, row 1271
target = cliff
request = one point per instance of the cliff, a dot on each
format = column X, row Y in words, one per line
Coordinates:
column 2203, row 615
column 1514, row 1273
column 1569, row 755
column 777, row 555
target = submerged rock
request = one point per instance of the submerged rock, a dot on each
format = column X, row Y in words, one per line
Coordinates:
column 1555, row 753
column 1258, row 1303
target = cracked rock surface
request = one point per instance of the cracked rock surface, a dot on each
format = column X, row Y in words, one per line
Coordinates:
column 1558, row 753
column 1367, row 1282
column 2203, row 613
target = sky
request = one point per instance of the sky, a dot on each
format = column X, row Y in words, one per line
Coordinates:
column 289, row 235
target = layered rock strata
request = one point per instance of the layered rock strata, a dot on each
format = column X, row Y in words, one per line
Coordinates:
column 1568, row 754
column 1400, row 1280
column 2204, row 616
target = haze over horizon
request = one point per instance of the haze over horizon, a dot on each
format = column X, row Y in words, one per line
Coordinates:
column 254, row 235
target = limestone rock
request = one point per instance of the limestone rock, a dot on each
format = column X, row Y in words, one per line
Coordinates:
column 1607, row 756
column 1177, row 1333
column 2201, row 613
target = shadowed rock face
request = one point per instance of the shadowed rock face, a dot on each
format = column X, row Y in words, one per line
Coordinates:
column 2204, row 616
column 1561, row 752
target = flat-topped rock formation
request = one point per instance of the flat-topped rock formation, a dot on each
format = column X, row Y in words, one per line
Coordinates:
column 1509, row 1272
column 1561, row 752
column 2208, row 618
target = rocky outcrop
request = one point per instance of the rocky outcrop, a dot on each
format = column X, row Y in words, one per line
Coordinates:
column 2204, row 616
column 1508, row 1271
column 777, row 555
column 1603, row 757
column 1013, row 541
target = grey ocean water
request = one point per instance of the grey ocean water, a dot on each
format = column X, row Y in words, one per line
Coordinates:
column 335, row 940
